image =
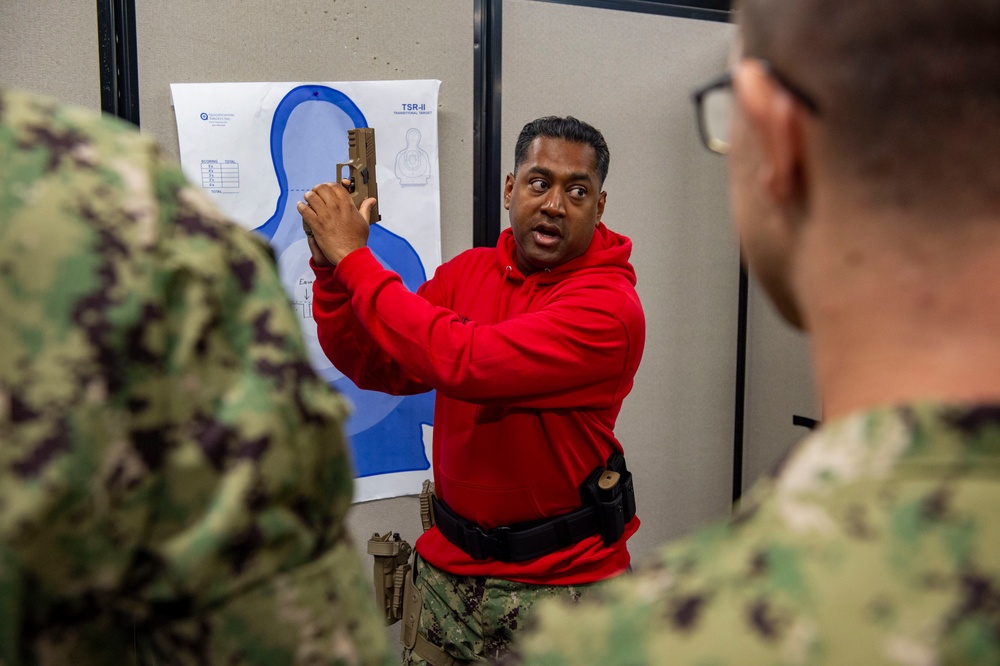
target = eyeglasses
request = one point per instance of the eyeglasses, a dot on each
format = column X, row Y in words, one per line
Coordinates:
column 714, row 104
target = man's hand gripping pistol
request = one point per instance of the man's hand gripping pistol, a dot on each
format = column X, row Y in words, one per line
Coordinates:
column 361, row 150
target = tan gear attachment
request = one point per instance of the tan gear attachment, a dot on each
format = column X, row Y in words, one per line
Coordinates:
column 427, row 505
column 413, row 602
column 434, row 655
column 391, row 569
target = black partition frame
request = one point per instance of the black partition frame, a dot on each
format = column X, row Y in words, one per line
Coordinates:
column 116, row 41
column 120, row 97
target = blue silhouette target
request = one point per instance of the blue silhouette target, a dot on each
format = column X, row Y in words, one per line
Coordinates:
column 308, row 139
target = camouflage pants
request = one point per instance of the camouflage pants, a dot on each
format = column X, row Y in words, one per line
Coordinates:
column 474, row 618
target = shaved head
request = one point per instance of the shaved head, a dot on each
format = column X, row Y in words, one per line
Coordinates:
column 908, row 91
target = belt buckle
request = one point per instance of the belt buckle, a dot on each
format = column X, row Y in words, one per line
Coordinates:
column 494, row 544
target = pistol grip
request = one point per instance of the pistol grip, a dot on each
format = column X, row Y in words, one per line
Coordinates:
column 361, row 150
column 357, row 193
column 358, row 190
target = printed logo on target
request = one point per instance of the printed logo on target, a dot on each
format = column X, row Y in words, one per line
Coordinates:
column 217, row 119
column 412, row 109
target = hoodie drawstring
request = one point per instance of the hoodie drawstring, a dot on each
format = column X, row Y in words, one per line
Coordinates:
column 534, row 280
column 506, row 275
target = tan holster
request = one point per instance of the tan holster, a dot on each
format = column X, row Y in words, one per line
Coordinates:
column 392, row 564
column 395, row 590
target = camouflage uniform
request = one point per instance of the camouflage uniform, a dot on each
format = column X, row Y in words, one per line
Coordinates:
column 475, row 617
column 877, row 543
column 173, row 478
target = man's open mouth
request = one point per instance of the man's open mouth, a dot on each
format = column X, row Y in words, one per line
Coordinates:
column 548, row 232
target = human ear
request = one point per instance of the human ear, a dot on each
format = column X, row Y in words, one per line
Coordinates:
column 777, row 120
column 601, row 200
column 508, row 188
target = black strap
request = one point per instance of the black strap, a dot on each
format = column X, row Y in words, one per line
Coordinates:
column 805, row 422
column 526, row 541
column 516, row 543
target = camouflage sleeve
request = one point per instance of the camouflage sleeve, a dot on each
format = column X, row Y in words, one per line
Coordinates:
column 852, row 555
column 173, row 475
column 668, row 612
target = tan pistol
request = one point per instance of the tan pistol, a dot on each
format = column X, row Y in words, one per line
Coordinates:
column 361, row 165
column 361, row 149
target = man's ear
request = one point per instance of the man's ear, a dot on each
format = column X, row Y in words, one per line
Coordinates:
column 601, row 200
column 507, row 189
column 777, row 119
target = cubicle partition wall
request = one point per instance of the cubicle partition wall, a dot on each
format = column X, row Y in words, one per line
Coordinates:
column 630, row 75
column 51, row 47
column 779, row 388
column 318, row 40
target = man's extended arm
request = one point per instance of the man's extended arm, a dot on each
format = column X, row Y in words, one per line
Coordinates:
column 572, row 352
column 349, row 346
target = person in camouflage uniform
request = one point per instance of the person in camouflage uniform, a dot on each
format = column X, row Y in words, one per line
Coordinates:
column 173, row 475
column 877, row 543
column 864, row 156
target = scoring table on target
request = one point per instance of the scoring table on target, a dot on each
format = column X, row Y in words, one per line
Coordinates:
column 220, row 174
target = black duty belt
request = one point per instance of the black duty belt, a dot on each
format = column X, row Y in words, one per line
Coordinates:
column 608, row 500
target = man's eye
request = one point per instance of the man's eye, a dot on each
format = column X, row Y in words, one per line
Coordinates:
column 538, row 185
column 578, row 192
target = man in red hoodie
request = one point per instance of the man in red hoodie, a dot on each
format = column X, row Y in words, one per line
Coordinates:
column 531, row 346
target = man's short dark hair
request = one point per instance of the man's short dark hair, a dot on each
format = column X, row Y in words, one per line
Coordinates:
column 908, row 90
column 570, row 129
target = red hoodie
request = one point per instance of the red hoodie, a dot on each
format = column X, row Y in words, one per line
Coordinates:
column 530, row 373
